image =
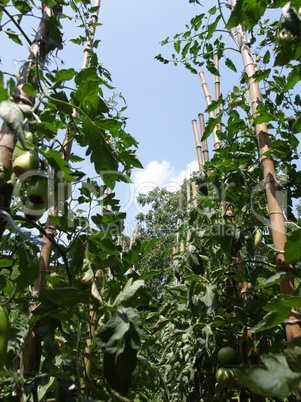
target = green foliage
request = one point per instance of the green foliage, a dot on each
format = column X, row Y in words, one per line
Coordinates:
column 111, row 332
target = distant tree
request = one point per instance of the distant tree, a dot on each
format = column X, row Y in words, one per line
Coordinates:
column 165, row 209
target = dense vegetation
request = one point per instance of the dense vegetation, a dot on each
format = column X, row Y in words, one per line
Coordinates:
column 90, row 319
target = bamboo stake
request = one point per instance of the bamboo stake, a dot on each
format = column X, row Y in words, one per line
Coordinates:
column 175, row 250
column 188, row 202
column 31, row 351
column 136, row 231
column 198, row 145
column 7, row 138
column 194, row 194
column 274, row 204
column 131, row 243
column 217, row 87
column 208, row 102
column 204, row 143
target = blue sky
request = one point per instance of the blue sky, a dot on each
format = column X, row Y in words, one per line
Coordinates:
column 162, row 99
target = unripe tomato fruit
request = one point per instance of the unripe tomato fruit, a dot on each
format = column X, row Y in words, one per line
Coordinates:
column 226, row 355
column 224, row 377
column 284, row 36
column 257, row 237
column 33, row 212
column 29, row 139
column 26, row 162
column 37, row 190
column 4, row 332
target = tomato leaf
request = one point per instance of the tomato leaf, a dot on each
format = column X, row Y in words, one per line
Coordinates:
column 293, row 247
column 120, row 341
column 274, row 379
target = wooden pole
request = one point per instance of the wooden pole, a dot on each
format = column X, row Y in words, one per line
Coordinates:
column 136, row 231
column 194, row 194
column 204, row 143
column 208, row 102
column 274, row 204
column 198, row 145
column 7, row 138
column 31, row 351
column 217, row 87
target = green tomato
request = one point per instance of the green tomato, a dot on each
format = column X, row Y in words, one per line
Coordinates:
column 29, row 139
column 257, row 237
column 37, row 189
column 226, row 355
column 4, row 332
column 284, row 36
column 33, row 212
column 224, row 377
column 26, row 162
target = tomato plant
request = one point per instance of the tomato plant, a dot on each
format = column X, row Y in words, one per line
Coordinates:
column 98, row 317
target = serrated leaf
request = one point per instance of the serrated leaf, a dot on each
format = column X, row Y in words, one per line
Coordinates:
column 120, row 341
column 292, row 247
column 26, row 110
column 56, row 161
column 210, row 125
column 230, row 64
column 65, row 75
column 147, row 275
column 13, row 117
column 29, row 89
column 272, row 280
column 14, row 36
column 6, row 262
column 266, row 57
column 271, row 319
column 274, row 379
column 61, row 102
column 293, row 357
column 95, row 293
column 128, row 292
column 66, row 296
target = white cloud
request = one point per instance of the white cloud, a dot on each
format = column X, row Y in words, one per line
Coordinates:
column 161, row 174
column 155, row 174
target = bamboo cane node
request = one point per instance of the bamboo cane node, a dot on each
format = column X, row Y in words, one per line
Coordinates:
column 270, row 181
column 22, row 99
column 293, row 311
column 276, row 212
column 8, row 148
column 250, row 64
column 291, row 322
column 284, row 269
column 44, row 271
